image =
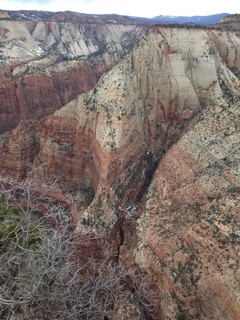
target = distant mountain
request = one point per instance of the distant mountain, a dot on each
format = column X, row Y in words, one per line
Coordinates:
column 31, row 15
column 70, row 16
column 211, row 19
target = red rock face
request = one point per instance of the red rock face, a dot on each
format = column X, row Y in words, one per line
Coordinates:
column 75, row 155
column 157, row 141
column 189, row 223
column 49, row 61
column 113, row 136
column 37, row 95
column 19, row 149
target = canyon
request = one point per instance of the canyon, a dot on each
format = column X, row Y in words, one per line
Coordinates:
column 48, row 59
column 140, row 133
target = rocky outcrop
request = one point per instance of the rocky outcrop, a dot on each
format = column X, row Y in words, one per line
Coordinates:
column 226, row 44
column 188, row 233
column 231, row 18
column 46, row 61
column 112, row 138
column 154, row 146
column 19, row 148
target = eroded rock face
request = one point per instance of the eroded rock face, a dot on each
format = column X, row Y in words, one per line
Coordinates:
column 189, row 230
column 19, row 148
column 112, row 138
column 226, row 43
column 47, row 61
column 157, row 139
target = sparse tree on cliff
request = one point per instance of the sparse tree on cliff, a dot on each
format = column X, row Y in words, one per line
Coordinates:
column 44, row 274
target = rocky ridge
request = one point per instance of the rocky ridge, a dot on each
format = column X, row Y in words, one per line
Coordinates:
column 230, row 18
column 188, row 233
column 115, row 134
column 155, row 147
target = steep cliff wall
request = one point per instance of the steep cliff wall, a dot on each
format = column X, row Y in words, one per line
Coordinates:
column 188, row 233
column 114, row 136
column 157, row 139
column 227, row 44
column 47, row 63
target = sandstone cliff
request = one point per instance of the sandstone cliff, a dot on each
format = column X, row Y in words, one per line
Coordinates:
column 115, row 135
column 48, row 59
column 188, row 233
column 152, row 153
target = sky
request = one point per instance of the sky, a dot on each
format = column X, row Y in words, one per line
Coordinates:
column 139, row 8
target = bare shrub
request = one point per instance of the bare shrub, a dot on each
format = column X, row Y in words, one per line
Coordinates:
column 44, row 274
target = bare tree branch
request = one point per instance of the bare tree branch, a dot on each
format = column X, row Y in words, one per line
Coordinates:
column 44, row 275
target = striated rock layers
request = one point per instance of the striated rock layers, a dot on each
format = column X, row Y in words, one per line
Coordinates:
column 48, row 59
column 188, row 233
column 155, row 146
column 114, row 136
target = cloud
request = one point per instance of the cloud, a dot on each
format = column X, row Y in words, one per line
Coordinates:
column 37, row 2
column 147, row 8
column 25, row 4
